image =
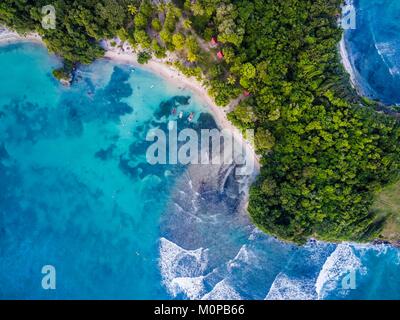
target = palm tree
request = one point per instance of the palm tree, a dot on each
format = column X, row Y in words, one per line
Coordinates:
column 231, row 80
column 187, row 24
column 132, row 9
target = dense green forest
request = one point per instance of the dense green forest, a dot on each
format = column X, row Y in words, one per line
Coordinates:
column 325, row 152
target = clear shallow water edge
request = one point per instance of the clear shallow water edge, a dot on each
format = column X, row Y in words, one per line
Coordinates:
column 76, row 192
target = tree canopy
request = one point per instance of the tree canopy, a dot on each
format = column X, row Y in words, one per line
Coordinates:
column 325, row 151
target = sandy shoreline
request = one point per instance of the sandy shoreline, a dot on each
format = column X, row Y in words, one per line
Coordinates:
column 346, row 61
column 160, row 68
column 173, row 76
column 348, row 66
column 8, row 37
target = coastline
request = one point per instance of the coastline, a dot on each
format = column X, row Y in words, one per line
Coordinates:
column 162, row 69
column 344, row 55
column 9, row 37
column 347, row 62
column 362, row 92
column 345, row 59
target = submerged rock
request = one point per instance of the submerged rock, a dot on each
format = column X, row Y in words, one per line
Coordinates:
column 3, row 152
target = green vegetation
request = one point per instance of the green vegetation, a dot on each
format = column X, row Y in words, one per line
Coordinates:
column 79, row 25
column 387, row 208
column 144, row 57
column 325, row 152
column 62, row 74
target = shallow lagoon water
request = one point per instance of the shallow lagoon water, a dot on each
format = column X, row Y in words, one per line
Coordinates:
column 77, row 193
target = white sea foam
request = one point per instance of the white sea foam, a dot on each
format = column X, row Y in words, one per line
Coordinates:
column 178, row 207
column 319, row 252
column 347, row 63
column 252, row 236
column 389, row 54
column 285, row 288
column 244, row 256
column 193, row 288
column 182, row 269
column 339, row 263
column 255, row 233
column 378, row 249
column 385, row 49
column 222, row 291
column 394, row 71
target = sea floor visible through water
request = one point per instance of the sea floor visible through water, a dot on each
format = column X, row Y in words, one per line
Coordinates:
column 77, row 193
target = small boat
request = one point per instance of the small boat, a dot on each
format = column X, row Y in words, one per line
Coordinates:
column 180, row 115
column 190, row 119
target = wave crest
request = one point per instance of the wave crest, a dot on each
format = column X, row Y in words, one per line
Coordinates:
column 338, row 264
column 285, row 288
column 222, row 291
column 182, row 269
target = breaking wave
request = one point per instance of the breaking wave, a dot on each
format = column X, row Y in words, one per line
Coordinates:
column 285, row 288
column 182, row 269
column 339, row 263
column 192, row 288
column 222, row 291
column 388, row 51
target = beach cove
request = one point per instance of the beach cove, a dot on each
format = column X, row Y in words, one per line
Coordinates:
column 193, row 240
column 371, row 52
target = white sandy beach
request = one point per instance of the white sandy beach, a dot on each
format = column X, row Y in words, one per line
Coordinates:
column 173, row 76
column 7, row 37
column 356, row 80
column 346, row 61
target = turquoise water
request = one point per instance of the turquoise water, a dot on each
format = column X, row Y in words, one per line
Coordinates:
column 76, row 192
column 374, row 48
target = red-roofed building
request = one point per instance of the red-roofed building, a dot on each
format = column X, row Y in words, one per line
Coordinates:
column 220, row 55
column 214, row 41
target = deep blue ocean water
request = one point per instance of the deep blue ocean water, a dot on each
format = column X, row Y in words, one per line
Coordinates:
column 374, row 48
column 76, row 192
